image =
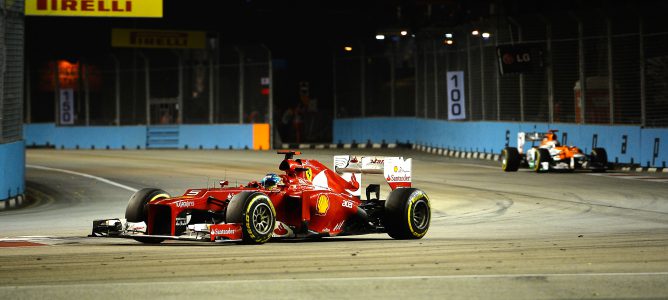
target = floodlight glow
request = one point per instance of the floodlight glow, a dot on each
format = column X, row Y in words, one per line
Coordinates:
column 404, row 32
column 380, row 37
column 475, row 32
column 485, row 35
column 448, row 35
column 348, row 48
column 449, row 42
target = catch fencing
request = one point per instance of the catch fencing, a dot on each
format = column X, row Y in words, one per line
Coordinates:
column 597, row 69
column 134, row 86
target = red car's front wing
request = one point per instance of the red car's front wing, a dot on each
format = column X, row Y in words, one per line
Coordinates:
column 198, row 232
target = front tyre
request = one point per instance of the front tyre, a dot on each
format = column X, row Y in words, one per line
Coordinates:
column 542, row 156
column 256, row 214
column 136, row 210
column 407, row 214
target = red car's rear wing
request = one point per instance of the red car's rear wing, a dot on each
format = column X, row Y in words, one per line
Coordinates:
column 395, row 170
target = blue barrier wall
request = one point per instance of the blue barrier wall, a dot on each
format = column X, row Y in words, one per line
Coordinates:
column 235, row 136
column 223, row 136
column 12, row 170
column 85, row 137
column 624, row 144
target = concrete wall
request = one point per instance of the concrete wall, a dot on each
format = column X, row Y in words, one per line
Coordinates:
column 624, row 144
column 12, row 170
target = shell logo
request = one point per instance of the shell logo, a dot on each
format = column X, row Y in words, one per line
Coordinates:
column 322, row 206
column 396, row 169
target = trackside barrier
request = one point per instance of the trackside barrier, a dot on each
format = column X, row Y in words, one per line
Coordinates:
column 12, row 173
column 624, row 144
column 221, row 136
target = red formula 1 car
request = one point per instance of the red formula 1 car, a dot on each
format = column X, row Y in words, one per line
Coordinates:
column 308, row 200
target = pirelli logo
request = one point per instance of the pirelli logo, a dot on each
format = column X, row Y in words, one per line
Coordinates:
column 95, row 8
column 146, row 38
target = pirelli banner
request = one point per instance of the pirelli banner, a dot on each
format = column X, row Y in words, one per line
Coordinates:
column 95, row 8
column 147, row 38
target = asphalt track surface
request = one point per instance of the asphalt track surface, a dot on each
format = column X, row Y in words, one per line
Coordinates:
column 493, row 235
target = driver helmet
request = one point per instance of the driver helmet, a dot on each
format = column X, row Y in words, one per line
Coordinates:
column 270, row 181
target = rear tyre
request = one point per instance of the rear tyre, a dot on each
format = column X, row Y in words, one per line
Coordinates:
column 407, row 214
column 256, row 214
column 599, row 159
column 510, row 159
column 136, row 210
column 542, row 156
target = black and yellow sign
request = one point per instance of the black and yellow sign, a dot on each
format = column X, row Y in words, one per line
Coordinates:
column 147, row 38
column 95, row 8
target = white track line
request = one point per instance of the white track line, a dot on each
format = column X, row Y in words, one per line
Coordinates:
column 356, row 279
column 476, row 166
column 632, row 177
column 100, row 179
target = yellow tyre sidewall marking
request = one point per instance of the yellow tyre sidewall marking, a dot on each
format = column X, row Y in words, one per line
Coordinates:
column 415, row 197
column 249, row 230
column 158, row 197
column 504, row 160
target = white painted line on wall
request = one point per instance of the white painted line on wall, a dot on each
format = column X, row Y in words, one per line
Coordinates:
column 100, row 179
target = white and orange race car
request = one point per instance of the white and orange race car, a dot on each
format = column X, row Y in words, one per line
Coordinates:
column 548, row 154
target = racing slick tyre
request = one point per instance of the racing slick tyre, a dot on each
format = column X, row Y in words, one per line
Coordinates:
column 510, row 159
column 407, row 213
column 599, row 160
column 136, row 209
column 542, row 155
column 256, row 214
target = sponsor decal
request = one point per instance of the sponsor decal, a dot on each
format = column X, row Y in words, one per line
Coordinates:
column 398, row 169
column 377, row 161
column 309, row 174
column 322, row 206
column 164, row 39
column 184, row 203
column 280, row 230
column 347, row 203
column 338, row 226
column 398, row 178
column 193, row 193
column 354, row 159
column 181, row 221
column 224, row 231
column 95, row 8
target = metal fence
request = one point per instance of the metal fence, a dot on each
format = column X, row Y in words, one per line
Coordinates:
column 595, row 70
column 133, row 86
column 11, row 70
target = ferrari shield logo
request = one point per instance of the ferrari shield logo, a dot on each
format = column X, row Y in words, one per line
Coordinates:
column 309, row 174
column 322, row 205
